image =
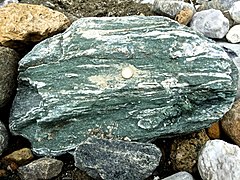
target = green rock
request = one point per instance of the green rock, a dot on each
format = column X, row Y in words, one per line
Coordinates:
column 138, row 78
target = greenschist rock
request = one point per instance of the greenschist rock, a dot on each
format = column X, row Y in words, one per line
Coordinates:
column 129, row 77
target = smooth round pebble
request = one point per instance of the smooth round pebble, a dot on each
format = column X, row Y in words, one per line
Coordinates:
column 233, row 34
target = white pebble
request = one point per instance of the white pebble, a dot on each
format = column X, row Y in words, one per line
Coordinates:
column 233, row 34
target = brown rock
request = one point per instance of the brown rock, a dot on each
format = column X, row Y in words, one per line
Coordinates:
column 20, row 157
column 231, row 123
column 43, row 168
column 22, row 24
column 213, row 131
column 184, row 16
column 184, row 151
column 3, row 172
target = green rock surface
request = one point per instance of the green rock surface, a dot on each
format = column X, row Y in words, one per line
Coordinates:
column 137, row 77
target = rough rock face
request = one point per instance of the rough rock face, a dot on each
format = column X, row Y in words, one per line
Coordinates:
column 117, row 160
column 202, row 22
column 8, row 73
column 24, row 24
column 171, row 8
column 231, row 123
column 235, row 12
column 43, row 168
column 219, row 160
column 3, row 137
column 184, row 151
column 135, row 77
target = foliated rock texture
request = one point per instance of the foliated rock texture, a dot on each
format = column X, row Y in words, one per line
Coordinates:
column 171, row 8
column 211, row 23
column 43, row 168
column 235, row 12
column 233, row 34
column 117, row 159
column 3, row 137
column 231, row 123
column 183, row 175
column 219, row 160
column 8, row 74
column 24, row 24
column 129, row 77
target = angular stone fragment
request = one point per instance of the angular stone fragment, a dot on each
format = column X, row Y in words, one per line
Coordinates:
column 24, row 24
column 20, row 157
column 8, row 74
column 43, row 168
column 219, row 160
column 171, row 8
column 184, row 16
column 3, row 137
column 71, row 86
column 183, row 175
column 116, row 159
column 231, row 123
column 211, row 23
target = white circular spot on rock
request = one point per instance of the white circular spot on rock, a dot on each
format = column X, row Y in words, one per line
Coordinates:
column 127, row 72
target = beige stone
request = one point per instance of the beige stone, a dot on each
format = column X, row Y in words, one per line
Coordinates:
column 184, row 151
column 231, row 123
column 25, row 24
column 184, row 16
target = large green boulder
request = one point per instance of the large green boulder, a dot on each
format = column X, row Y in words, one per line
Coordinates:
column 135, row 78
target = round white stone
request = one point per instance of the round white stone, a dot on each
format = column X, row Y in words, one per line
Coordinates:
column 235, row 11
column 233, row 34
column 127, row 72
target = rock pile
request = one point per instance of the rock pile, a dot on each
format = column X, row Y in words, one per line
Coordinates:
column 100, row 88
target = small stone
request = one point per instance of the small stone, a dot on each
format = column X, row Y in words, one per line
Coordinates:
column 180, row 176
column 3, row 137
column 213, row 131
column 171, row 8
column 211, row 23
column 24, row 24
column 231, row 123
column 219, row 160
column 233, row 34
column 235, row 12
column 21, row 157
column 8, row 74
column 43, row 168
column 184, row 151
column 3, row 173
column 117, row 159
column 184, row 16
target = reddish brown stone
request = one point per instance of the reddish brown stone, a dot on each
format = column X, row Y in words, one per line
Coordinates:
column 231, row 123
column 214, row 131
